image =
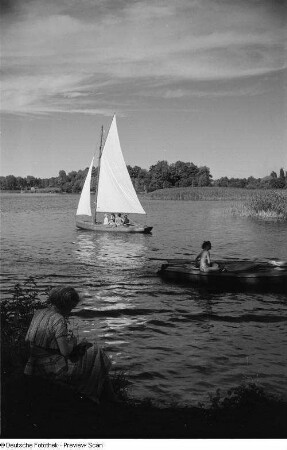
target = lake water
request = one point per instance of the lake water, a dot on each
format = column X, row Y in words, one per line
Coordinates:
column 175, row 343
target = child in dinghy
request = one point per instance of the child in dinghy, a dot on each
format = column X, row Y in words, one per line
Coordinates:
column 203, row 259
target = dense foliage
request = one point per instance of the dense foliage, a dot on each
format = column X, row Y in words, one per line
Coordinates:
column 159, row 176
column 16, row 315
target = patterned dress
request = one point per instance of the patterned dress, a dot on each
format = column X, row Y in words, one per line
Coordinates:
column 86, row 375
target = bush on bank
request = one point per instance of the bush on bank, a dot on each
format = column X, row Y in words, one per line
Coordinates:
column 16, row 315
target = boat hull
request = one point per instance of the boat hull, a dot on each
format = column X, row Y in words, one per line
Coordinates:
column 252, row 276
column 110, row 229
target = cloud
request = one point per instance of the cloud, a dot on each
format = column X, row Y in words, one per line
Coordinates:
column 57, row 54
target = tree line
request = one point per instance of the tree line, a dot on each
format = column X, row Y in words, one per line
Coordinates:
column 159, row 176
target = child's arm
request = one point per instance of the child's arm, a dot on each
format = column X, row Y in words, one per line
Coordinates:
column 198, row 257
column 208, row 258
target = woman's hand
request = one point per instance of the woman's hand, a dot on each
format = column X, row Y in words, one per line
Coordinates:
column 85, row 344
column 72, row 340
column 66, row 345
column 79, row 350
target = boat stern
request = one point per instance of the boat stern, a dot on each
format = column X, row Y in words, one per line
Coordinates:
column 147, row 230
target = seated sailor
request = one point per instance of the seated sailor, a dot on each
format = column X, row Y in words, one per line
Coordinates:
column 106, row 220
column 126, row 220
column 112, row 219
column 119, row 220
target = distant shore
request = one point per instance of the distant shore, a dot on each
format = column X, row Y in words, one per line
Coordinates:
column 211, row 193
column 265, row 204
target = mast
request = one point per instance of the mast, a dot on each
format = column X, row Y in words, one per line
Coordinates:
column 98, row 177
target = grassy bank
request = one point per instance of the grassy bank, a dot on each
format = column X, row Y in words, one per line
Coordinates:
column 33, row 408
column 206, row 193
column 36, row 408
column 267, row 205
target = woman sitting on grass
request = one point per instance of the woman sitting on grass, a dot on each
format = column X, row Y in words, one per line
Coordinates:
column 56, row 355
column 203, row 259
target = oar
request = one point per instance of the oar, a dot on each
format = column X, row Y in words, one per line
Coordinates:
column 173, row 261
column 273, row 261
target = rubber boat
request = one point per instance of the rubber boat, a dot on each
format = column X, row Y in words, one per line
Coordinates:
column 271, row 274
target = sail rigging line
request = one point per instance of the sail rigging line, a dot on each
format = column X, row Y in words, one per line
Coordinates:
column 98, row 174
column 101, row 149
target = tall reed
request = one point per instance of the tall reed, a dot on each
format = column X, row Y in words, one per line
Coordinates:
column 213, row 193
column 268, row 205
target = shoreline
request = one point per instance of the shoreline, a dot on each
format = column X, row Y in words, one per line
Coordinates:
column 36, row 408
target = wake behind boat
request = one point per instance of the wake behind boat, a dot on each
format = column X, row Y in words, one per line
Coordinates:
column 114, row 190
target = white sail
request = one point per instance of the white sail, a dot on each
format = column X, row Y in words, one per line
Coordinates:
column 115, row 189
column 84, row 206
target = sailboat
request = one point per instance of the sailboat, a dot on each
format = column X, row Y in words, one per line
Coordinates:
column 114, row 189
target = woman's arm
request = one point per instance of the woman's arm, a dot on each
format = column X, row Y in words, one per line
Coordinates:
column 66, row 345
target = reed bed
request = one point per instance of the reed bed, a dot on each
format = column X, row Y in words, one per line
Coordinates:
column 267, row 205
column 213, row 193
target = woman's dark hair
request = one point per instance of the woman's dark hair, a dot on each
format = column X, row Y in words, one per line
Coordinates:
column 64, row 298
column 206, row 244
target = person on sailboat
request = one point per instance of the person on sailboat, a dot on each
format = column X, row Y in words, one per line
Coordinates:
column 203, row 259
column 56, row 354
column 126, row 220
column 112, row 220
column 119, row 220
column 106, row 220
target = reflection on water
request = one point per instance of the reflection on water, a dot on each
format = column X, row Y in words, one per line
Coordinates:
column 127, row 251
column 173, row 341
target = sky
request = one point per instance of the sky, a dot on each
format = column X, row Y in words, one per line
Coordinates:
column 200, row 81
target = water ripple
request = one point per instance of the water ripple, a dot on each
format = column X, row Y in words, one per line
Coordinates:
column 173, row 341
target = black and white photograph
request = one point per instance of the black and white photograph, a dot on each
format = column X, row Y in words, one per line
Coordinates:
column 143, row 190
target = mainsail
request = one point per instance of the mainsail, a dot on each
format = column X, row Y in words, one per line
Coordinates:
column 115, row 191
column 84, row 206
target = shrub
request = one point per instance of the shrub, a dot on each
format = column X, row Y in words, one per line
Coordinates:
column 16, row 315
column 246, row 394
